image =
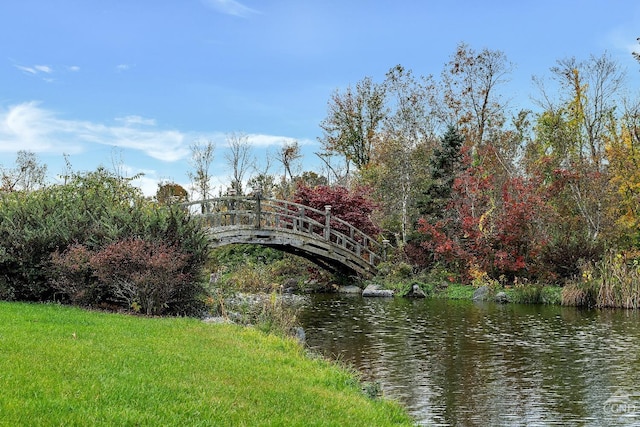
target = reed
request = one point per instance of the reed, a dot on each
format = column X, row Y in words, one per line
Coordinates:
column 580, row 294
column 619, row 281
column 612, row 282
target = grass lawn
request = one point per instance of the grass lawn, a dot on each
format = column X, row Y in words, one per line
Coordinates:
column 67, row 366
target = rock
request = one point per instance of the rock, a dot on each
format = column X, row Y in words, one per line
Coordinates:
column 311, row 283
column 415, row 292
column 375, row 291
column 298, row 333
column 216, row 319
column 290, row 286
column 349, row 289
column 481, row 294
column 502, row 298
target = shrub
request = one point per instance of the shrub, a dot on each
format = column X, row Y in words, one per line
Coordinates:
column 73, row 277
column 47, row 235
column 148, row 274
column 150, row 277
column 582, row 292
column 354, row 207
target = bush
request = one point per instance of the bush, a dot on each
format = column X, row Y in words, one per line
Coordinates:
column 77, row 220
column 149, row 277
column 73, row 277
column 140, row 273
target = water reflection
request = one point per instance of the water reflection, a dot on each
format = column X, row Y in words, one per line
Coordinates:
column 457, row 363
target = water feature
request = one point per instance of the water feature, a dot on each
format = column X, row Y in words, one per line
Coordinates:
column 459, row 363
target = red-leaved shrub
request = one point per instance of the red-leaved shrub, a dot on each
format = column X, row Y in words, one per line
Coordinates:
column 146, row 276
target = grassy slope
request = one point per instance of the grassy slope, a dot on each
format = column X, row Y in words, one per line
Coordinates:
column 66, row 366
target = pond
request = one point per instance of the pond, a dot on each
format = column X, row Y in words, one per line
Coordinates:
column 460, row 363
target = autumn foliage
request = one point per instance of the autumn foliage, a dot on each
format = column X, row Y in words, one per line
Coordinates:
column 131, row 273
column 353, row 206
column 489, row 226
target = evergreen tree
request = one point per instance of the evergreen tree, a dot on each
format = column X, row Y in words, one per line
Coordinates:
column 444, row 167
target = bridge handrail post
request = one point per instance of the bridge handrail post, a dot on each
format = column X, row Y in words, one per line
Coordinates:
column 258, row 209
column 327, row 222
column 299, row 223
column 232, row 205
column 385, row 244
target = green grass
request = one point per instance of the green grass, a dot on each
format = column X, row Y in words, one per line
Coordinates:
column 66, row 366
column 524, row 294
column 456, row 291
column 535, row 294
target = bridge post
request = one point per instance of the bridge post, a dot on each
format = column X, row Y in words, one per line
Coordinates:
column 298, row 224
column 327, row 222
column 258, row 209
column 232, row 205
column 385, row 244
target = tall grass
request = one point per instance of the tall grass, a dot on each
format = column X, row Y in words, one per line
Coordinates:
column 620, row 282
column 66, row 366
column 580, row 294
column 535, row 293
column 612, row 282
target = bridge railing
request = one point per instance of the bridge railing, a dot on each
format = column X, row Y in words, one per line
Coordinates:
column 267, row 213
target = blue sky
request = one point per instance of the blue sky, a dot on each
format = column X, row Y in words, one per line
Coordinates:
column 140, row 80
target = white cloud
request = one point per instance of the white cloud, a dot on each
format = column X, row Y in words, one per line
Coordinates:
column 230, row 7
column 36, row 69
column 123, row 67
column 29, row 70
column 43, row 69
column 622, row 40
column 73, row 68
column 258, row 140
column 136, row 120
column 28, row 126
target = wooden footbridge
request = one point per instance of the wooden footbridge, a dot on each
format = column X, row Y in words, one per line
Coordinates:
column 314, row 234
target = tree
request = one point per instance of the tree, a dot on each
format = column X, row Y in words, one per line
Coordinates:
column 239, row 158
column 470, row 97
column 354, row 207
column 407, row 139
column 337, row 174
column 568, row 150
column 27, row 175
column 497, row 233
column 289, row 153
column 201, row 159
column 311, row 179
column 588, row 93
column 353, row 121
column 623, row 155
column 170, row 192
column 445, row 165
column 264, row 183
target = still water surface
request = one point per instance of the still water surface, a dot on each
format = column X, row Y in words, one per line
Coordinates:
column 459, row 363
